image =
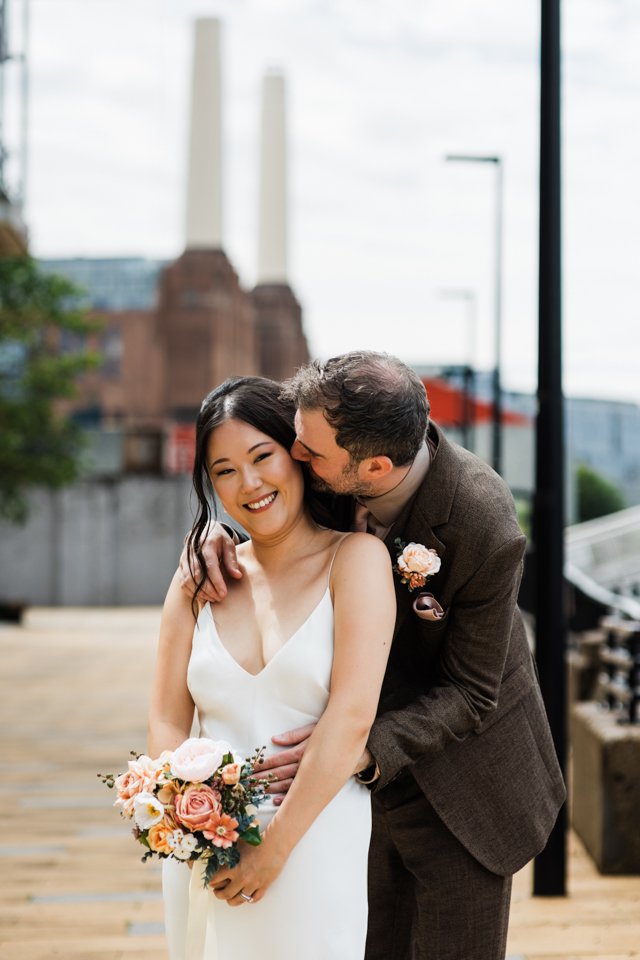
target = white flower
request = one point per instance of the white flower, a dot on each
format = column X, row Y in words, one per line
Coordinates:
column 189, row 842
column 198, row 758
column 182, row 844
column 147, row 811
column 251, row 810
column 416, row 558
column 163, row 760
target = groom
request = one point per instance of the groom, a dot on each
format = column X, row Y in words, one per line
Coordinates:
column 464, row 778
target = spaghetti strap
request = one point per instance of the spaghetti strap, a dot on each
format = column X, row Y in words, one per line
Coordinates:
column 335, row 553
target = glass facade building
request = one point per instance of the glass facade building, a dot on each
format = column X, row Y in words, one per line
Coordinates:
column 112, row 283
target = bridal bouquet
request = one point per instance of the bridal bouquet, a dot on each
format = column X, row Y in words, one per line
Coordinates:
column 193, row 803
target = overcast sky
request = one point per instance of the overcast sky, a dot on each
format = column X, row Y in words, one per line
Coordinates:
column 378, row 93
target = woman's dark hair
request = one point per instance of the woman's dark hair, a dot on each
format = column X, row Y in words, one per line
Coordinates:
column 256, row 401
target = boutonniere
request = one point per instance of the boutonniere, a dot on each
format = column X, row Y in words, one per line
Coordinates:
column 415, row 563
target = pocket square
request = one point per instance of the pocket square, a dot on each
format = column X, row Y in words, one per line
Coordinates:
column 427, row 607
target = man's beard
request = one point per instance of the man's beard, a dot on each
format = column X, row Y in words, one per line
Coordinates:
column 347, row 484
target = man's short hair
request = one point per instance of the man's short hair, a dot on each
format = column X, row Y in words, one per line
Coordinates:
column 377, row 404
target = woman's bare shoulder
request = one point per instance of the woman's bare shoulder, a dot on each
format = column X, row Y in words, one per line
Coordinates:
column 360, row 553
column 361, row 544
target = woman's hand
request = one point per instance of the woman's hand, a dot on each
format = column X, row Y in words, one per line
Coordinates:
column 258, row 868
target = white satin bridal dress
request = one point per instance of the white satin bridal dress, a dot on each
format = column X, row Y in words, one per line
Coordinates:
column 317, row 908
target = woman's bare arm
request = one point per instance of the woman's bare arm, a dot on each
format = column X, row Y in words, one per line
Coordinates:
column 171, row 707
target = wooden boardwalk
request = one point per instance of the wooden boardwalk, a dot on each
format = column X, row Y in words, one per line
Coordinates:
column 73, row 701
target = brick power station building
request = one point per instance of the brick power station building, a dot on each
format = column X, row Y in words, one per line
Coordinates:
column 198, row 325
column 160, row 360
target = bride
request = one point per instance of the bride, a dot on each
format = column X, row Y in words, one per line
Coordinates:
column 303, row 635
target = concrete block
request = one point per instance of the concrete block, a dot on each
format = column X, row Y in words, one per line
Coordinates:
column 583, row 665
column 606, row 788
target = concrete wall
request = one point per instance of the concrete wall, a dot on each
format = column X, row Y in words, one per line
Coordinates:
column 97, row 543
column 116, row 541
column 606, row 788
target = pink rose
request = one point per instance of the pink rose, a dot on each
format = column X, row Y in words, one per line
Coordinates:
column 231, row 773
column 198, row 758
column 198, row 807
column 417, row 559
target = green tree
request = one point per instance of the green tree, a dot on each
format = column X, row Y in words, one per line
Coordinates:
column 597, row 497
column 42, row 336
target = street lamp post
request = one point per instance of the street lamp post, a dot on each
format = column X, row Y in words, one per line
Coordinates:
column 496, row 444
column 548, row 517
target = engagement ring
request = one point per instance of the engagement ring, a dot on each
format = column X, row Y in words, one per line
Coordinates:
column 246, row 897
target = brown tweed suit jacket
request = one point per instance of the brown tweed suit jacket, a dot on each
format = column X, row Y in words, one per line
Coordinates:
column 460, row 708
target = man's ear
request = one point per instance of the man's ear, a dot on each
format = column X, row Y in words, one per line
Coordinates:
column 373, row 469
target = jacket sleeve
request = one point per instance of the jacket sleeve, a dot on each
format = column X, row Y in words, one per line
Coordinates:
column 471, row 667
column 238, row 536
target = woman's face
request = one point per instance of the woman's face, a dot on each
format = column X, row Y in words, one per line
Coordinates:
column 256, row 480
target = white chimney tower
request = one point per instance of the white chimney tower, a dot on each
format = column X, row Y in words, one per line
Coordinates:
column 272, row 229
column 204, row 175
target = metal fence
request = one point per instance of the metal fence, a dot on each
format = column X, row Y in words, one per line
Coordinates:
column 619, row 679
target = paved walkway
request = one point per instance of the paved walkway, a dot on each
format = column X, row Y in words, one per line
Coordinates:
column 73, row 698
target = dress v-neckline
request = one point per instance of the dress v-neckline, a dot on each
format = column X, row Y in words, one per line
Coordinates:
column 282, row 647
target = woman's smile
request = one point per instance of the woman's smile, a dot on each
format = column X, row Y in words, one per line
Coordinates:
column 259, row 506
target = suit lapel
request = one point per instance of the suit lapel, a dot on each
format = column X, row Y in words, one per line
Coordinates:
column 429, row 508
column 410, row 529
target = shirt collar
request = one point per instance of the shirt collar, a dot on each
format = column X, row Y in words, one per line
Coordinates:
column 387, row 507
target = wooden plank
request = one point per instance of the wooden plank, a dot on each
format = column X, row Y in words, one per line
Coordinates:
column 73, row 702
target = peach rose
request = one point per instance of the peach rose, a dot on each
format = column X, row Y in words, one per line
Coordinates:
column 168, row 792
column 231, row 773
column 159, row 835
column 150, row 771
column 142, row 776
column 128, row 786
column 416, row 559
column 197, row 807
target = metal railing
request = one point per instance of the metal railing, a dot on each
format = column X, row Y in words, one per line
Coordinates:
column 618, row 683
column 617, row 602
column 619, row 680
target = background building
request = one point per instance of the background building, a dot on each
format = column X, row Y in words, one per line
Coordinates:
column 172, row 331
